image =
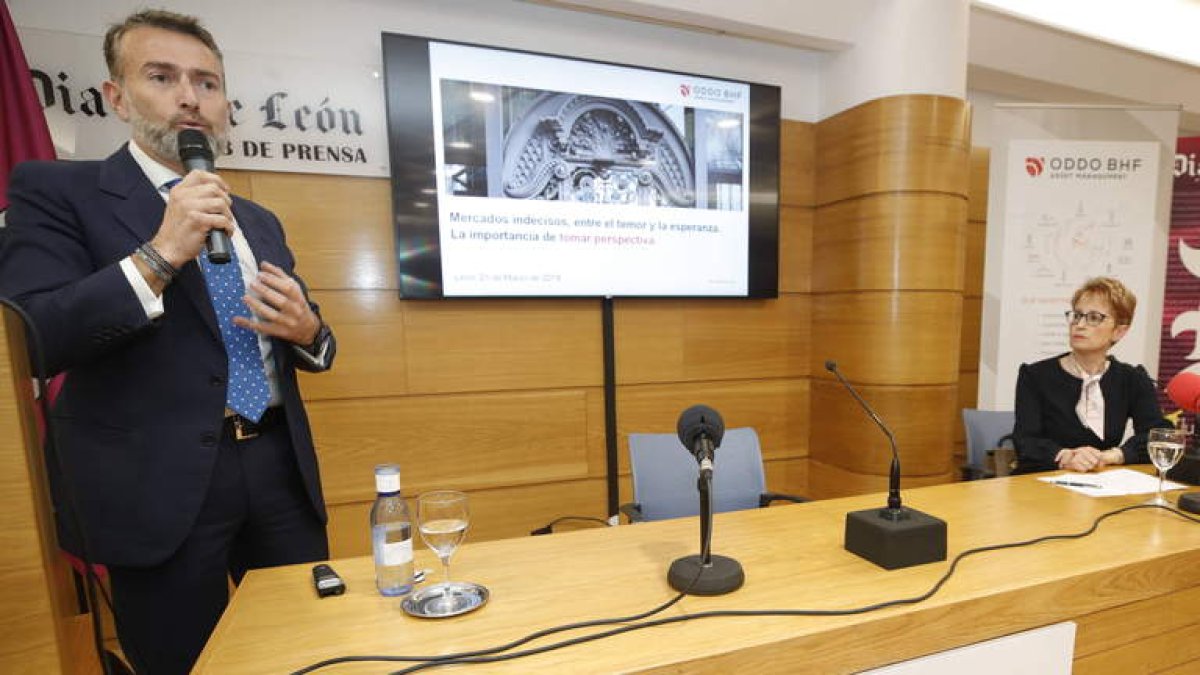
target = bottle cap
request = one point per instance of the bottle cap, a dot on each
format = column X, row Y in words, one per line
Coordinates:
column 387, row 478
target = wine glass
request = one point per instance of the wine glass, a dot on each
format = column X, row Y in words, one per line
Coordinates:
column 444, row 518
column 1166, row 448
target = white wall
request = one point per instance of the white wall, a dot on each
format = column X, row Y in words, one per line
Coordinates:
column 902, row 47
column 348, row 31
column 1015, row 60
column 808, row 47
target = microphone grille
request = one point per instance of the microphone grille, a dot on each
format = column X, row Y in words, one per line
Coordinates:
column 193, row 144
column 700, row 420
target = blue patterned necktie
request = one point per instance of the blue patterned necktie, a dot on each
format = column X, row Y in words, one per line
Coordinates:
column 247, row 393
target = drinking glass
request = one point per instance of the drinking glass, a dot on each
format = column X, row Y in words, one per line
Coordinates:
column 1166, row 448
column 444, row 518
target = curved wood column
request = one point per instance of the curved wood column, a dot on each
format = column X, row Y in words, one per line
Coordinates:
column 887, row 289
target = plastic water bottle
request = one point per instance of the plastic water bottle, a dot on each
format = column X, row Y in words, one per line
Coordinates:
column 391, row 534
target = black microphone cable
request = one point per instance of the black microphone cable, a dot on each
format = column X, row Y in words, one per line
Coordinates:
column 92, row 584
column 548, row 528
column 493, row 655
column 450, row 659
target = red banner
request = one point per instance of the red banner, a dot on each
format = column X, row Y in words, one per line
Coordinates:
column 1181, row 299
column 23, row 131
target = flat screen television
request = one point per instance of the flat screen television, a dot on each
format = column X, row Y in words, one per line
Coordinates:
column 516, row 174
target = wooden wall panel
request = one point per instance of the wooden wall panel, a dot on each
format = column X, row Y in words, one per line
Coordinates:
column 387, row 346
column 972, row 314
column 974, row 245
column 789, row 476
column 887, row 284
column 898, row 143
column 827, row 481
column 797, row 180
column 977, row 186
column 777, row 409
column 339, row 227
column 371, row 357
column 905, row 240
column 463, row 441
column 795, row 249
column 496, row 513
column 920, row 417
column 968, row 387
column 888, row 337
column 650, row 336
column 431, row 366
column 687, row 340
column 406, row 365
column 487, row 345
column 238, row 182
column 513, row 512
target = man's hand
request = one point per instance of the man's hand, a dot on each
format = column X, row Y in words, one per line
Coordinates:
column 199, row 203
column 282, row 310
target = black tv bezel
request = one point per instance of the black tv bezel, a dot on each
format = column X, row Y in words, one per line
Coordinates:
column 412, row 158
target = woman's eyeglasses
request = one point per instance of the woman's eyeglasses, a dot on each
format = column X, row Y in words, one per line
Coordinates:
column 1090, row 318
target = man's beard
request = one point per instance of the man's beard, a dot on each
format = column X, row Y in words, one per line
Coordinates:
column 163, row 140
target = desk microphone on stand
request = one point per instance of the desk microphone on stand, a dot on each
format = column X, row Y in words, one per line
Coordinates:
column 700, row 430
column 896, row 536
column 1184, row 391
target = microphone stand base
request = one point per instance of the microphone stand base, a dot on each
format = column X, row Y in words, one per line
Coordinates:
column 896, row 538
column 1186, row 471
column 722, row 575
column 1190, row 501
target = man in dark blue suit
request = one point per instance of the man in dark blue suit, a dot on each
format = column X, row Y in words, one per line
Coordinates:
column 177, row 482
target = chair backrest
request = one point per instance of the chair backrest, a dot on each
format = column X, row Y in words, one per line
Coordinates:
column 664, row 474
column 984, row 429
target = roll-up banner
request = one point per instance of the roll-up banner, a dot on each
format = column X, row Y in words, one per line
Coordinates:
column 1075, row 192
column 1180, row 325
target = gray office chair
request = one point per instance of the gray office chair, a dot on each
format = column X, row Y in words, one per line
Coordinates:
column 664, row 477
column 987, row 431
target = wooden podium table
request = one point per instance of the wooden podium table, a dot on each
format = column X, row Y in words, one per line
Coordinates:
column 1132, row 587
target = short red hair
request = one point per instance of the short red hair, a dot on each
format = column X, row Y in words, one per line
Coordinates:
column 1119, row 297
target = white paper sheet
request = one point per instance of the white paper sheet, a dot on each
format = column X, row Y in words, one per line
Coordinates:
column 1111, row 483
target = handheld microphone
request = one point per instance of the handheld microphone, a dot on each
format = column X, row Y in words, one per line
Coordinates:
column 701, row 429
column 196, row 154
column 1184, row 391
column 897, row 536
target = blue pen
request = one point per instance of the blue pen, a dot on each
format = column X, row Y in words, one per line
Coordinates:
column 1069, row 483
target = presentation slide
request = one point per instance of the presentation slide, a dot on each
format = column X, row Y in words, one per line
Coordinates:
column 574, row 178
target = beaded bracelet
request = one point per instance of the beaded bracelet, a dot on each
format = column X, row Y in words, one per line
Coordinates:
column 157, row 264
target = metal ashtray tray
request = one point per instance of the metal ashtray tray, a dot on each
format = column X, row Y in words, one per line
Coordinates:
column 444, row 600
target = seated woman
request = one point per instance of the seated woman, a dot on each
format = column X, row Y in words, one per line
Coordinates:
column 1072, row 409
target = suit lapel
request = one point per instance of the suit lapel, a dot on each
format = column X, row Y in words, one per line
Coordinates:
column 139, row 208
column 256, row 234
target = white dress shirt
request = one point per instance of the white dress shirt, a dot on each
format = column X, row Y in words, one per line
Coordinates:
column 160, row 176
